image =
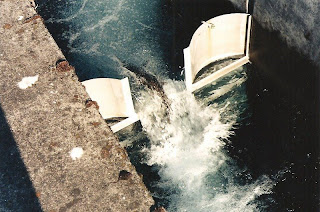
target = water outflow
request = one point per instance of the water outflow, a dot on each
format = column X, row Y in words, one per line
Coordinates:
column 186, row 143
column 188, row 148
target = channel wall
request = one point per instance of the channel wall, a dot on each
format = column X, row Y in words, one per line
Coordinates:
column 45, row 118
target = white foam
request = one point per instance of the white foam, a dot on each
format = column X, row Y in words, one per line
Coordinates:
column 188, row 145
column 73, row 16
column 108, row 18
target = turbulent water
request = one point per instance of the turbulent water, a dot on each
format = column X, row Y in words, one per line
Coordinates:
column 188, row 149
column 184, row 146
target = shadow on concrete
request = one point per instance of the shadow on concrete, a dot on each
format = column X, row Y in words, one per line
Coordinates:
column 16, row 190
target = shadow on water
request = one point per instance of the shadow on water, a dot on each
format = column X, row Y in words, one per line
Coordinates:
column 16, row 190
column 49, row 10
column 251, row 6
column 283, row 92
column 188, row 15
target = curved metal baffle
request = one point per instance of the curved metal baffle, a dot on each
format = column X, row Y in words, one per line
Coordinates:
column 114, row 99
column 222, row 37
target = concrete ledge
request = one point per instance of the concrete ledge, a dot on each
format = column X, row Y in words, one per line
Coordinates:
column 50, row 118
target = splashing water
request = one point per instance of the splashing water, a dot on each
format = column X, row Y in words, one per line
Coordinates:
column 187, row 142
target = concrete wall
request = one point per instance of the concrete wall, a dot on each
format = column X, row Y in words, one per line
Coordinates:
column 44, row 117
column 296, row 20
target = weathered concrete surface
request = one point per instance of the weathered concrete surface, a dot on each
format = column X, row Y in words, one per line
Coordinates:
column 295, row 20
column 46, row 121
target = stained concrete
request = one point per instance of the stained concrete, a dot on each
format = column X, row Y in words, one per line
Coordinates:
column 41, row 124
column 296, row 21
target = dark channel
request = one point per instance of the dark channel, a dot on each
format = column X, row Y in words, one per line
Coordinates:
column 282, row 139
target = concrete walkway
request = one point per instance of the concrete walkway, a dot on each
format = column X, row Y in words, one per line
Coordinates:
column 43, row 117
